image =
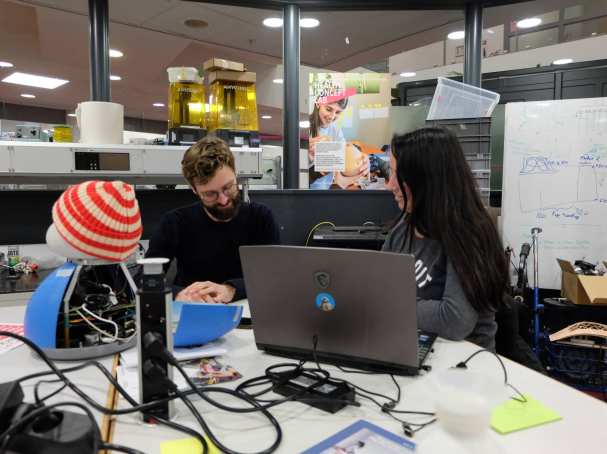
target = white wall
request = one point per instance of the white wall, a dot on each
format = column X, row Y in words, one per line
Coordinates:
column 436, row 54
column 423, row 57
column 583, row 50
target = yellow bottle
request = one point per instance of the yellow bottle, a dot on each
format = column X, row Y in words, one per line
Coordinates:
column 62, row 133
column 233, row 105
column 186, row 98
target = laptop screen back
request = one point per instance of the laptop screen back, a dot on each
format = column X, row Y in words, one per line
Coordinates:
column 358, row 305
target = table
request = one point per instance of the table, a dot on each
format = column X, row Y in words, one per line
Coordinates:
column 24, row 283
column 21, row 361
column 581, row 429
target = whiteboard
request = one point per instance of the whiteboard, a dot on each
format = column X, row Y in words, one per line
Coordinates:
column 555, row 178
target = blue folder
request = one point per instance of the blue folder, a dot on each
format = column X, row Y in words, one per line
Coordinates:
column 200, row 323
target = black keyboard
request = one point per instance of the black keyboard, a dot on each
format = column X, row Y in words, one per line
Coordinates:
column 425, row 341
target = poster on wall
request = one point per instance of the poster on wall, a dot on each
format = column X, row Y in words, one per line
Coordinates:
column 349, row 135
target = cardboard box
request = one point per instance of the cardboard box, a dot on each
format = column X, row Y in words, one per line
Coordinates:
column 582, row 289
column 218, row 64
column 232, row 76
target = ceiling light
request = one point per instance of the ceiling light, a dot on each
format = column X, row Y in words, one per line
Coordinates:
column 273, row 22
column 529, row 22
column 158, row 104
column 408, row 74
column 277, row 81
column 457, row 35
column 6, row 64
column 491, row 32
column 112, row 77
column 195, row 23
column 347, row 39
column 115, row 53
column 309, row 22
column 562, row 61
column 266, row 117
column 304, row 124
column 71, row 115
column 32, row 80
column 27, row 95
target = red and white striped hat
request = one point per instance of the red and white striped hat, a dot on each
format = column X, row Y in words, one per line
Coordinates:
column 99, row 218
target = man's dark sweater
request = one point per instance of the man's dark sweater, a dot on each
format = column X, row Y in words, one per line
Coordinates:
column 207, row 250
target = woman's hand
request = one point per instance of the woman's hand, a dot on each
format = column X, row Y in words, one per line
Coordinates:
column 344, row 182
column 363, row 171
column 363, row 168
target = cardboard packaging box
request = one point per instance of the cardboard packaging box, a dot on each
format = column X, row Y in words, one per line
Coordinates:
column 581, row 289
column 231, row 76
column 218, row 64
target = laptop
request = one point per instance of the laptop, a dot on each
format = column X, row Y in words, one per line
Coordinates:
column 349, row 307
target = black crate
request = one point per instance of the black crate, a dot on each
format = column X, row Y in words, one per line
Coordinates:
column 474, row 135
column 582, row 367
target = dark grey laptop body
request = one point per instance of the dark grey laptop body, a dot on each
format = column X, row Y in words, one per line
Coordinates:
column 372, row 325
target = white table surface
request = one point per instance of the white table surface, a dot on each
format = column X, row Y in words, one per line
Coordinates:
column 21, row 361
column 580, row 431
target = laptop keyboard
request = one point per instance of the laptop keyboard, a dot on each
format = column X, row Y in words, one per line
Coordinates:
column 425, row 341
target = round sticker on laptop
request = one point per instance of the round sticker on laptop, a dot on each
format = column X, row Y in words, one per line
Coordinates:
column 325, row 302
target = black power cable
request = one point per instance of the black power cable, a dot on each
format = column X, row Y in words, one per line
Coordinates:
column 135, row 407
column 464, row 365
column 120, row 448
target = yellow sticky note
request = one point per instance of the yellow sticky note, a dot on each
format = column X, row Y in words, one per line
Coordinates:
column 186, row 446
column 513, row 415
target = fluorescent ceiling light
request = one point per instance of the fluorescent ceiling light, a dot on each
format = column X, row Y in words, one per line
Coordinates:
column 562, row 61
column 27, row 95
column 273, row 22
column 112, row 77
column 71, row 115
column 276, row 22
column 304, row 124
column 309, row 22
column 277, row 81
column 457, row 35
column 266, row 117
column 6, row 64
column 158, row 104
column 529, row 22
column 32, row 80
column 114, row 53
column 408, row 74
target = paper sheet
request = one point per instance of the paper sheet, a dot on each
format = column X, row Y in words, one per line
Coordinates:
column 129, row 357
column 514, row 415
column 186, row 446
column 8, row 343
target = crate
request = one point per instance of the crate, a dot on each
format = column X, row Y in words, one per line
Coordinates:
column 582, row 367
column 453, row 99
column 474, row 135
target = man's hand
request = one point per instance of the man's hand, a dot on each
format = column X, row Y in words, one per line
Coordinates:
column 207, row 292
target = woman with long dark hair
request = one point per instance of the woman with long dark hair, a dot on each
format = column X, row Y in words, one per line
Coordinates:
column 460, row 268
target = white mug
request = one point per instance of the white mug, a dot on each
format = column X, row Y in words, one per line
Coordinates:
column 100, row 122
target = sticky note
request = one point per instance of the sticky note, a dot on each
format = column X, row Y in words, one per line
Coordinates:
column 513, row 415
column 186, row 446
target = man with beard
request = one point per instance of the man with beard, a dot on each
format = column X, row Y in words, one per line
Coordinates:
column 204, row 237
